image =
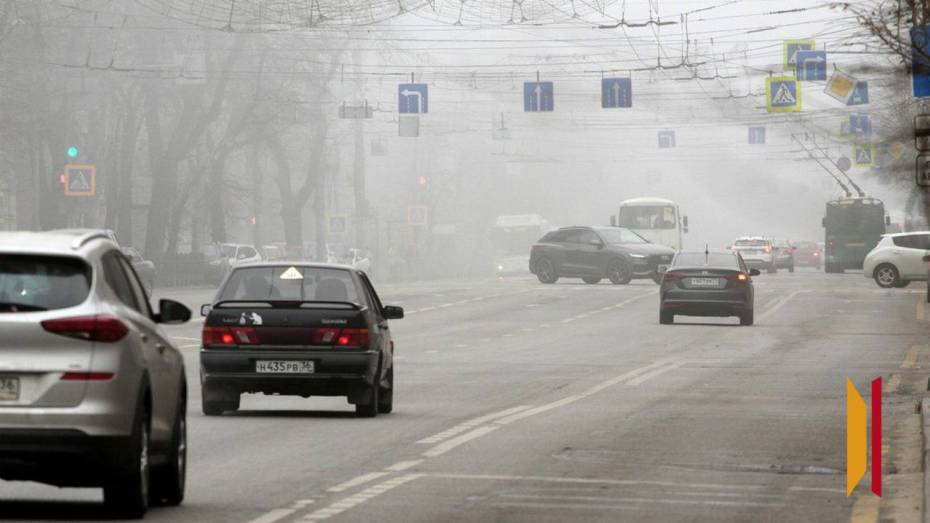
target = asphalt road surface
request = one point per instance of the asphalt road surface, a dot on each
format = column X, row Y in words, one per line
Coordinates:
column 518, row 401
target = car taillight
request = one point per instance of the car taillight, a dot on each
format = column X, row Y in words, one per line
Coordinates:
column 816, row 253
column 673, row 276
column 228, row 336
column 341, row 337
column 740, row 277
column 101, row 328
column 87, row 376
column 768, row 248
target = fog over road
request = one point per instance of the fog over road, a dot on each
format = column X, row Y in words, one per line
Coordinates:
column 518, row 401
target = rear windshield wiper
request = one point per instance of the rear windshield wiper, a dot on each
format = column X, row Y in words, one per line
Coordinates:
column 20, row 307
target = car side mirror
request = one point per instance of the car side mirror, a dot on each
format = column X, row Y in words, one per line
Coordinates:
column 684, row 223
column 205, row 309
column 393, row 312
column 171, row 312
column 823, row 222
column 754, row 272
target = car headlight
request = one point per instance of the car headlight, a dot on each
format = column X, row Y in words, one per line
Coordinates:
column 500, row 268
column 638, row 256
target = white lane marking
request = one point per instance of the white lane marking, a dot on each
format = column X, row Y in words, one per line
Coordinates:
column 185, row 338
column 357, row 499
column 623, row 377
column 356, row 481
column 448, row 445
column 432, row 351
column 538, row 410
column 649, row 375
column 646, row 500
column 280, row 513
column 445, row 305
column 404, row 465
column 189, row 346
column 424, row 309
column 595, row 481
column 632, row 501
column 465, row 425
column 774, row 308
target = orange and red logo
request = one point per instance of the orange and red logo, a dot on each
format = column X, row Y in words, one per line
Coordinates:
column 857, row 431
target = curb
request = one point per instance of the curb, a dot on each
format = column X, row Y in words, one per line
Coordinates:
column 925, row 454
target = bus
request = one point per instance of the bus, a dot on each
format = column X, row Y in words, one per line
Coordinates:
column 512, row 236
column 656, row 219
column 853, row 226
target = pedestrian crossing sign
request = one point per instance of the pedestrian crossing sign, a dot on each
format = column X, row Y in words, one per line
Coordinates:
column 80, row 180
column 864, row 155
column 782, row 94
column 791, row 51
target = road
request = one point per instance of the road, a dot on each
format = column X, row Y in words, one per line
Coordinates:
column 518, row 401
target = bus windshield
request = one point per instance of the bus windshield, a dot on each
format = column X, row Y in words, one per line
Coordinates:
column 648, row 217
column 854, row 217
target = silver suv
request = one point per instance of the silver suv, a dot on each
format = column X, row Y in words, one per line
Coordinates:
column 92, row 390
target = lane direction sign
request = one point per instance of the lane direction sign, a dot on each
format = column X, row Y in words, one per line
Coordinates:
column 412, row 98
column 782, row 94
column 860, row 125
column 538, row 97
column 920, row 60
column 616, row 92
column 811, row 65
column 860, row 94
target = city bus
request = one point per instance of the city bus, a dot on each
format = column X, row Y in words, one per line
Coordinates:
column 656, row 219
column 853, row 226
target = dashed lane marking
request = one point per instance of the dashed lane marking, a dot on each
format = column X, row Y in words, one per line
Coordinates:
column 775, row 308
column 450, row 444
column 462, row 427
column 910, row 360
column 404, row 465
column 280, row 513
column 649, row 375
column 356, row 481
column 357, row 499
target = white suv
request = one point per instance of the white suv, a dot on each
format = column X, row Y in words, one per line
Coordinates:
column 757, row 251
column 897, row 260
column 92, row 390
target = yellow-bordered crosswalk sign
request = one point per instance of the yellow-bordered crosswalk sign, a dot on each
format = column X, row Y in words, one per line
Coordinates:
column 864, row 155
column 782, row 94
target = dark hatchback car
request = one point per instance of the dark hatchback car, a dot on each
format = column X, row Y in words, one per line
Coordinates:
column 707, row 283
column 807, row 254
column 595, row 253
column 300, row 330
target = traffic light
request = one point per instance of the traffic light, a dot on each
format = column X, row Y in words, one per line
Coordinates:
column 72, row 152
column 423, row 181
column 253, row 220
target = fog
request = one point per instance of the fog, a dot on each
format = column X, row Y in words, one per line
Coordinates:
column 225, row 122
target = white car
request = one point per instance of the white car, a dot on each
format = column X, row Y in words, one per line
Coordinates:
column 757, row 251
column 897, row 260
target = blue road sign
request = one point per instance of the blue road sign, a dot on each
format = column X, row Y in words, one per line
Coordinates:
column 860, row 125
column 616, row 92
column 783, row 94
column 860, row 94
column 757, row 135
column 920, row 60
column 538, row 97
column 812, row 66
column 666, row 139
column 791, row 50
column 412, row 98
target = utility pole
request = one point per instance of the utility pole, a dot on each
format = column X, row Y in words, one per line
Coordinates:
column 361, row 203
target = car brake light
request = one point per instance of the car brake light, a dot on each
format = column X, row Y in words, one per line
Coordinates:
column 673, row 276
column 768, row 248
column 101, row 328
column 229, row 336
column 341, row 337
column 740, row 277
column 87, row 376
column 816, row 253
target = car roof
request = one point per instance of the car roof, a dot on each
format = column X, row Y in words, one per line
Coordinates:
column 294, row 263
column 646, row 200
column 62, row 241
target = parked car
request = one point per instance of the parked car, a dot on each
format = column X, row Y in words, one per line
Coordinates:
column 897, row 260
column 273, row 253
column 144, row 268
column 757, row 252
column 93, row 390
column 808, row 254
column 595, row 253
column 784, row 254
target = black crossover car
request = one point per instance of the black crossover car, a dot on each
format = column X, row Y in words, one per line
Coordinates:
column 707, row 283
column 301, row 330
column 594, row 253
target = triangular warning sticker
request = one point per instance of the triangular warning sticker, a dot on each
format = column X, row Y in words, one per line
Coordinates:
column 783, row 96
column 79, row 181
column 292, row 274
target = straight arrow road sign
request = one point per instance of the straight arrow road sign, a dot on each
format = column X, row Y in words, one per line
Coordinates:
column 538, row 97
column 616, row 92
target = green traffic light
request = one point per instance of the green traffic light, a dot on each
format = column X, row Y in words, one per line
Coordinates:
column 72, row 152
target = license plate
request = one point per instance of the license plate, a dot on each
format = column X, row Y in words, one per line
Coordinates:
column 704, row 282
column 284, row 367
column 9, row 389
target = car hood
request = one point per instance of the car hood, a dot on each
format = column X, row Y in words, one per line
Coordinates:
column 642, row 248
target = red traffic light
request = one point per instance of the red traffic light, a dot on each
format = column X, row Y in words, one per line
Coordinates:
column 253, row 220
column 423, row 181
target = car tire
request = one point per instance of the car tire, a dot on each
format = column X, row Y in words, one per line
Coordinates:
column 128, row 496
column 886, row 276
column 211, row 401
column 370, row 409
column 619, row 272
column 386, row 395
column 746, row 318
column 168, row 480
column 591, row 280
column 666, row 318
column 545, row 271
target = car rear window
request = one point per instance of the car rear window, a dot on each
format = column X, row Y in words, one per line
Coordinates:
column 699, row 259
column 30, row 283
column 751, row 243
column 290, row 283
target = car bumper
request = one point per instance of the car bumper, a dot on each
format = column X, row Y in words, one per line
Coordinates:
column 686, row 302
column 336, row 373
column 62, row 457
